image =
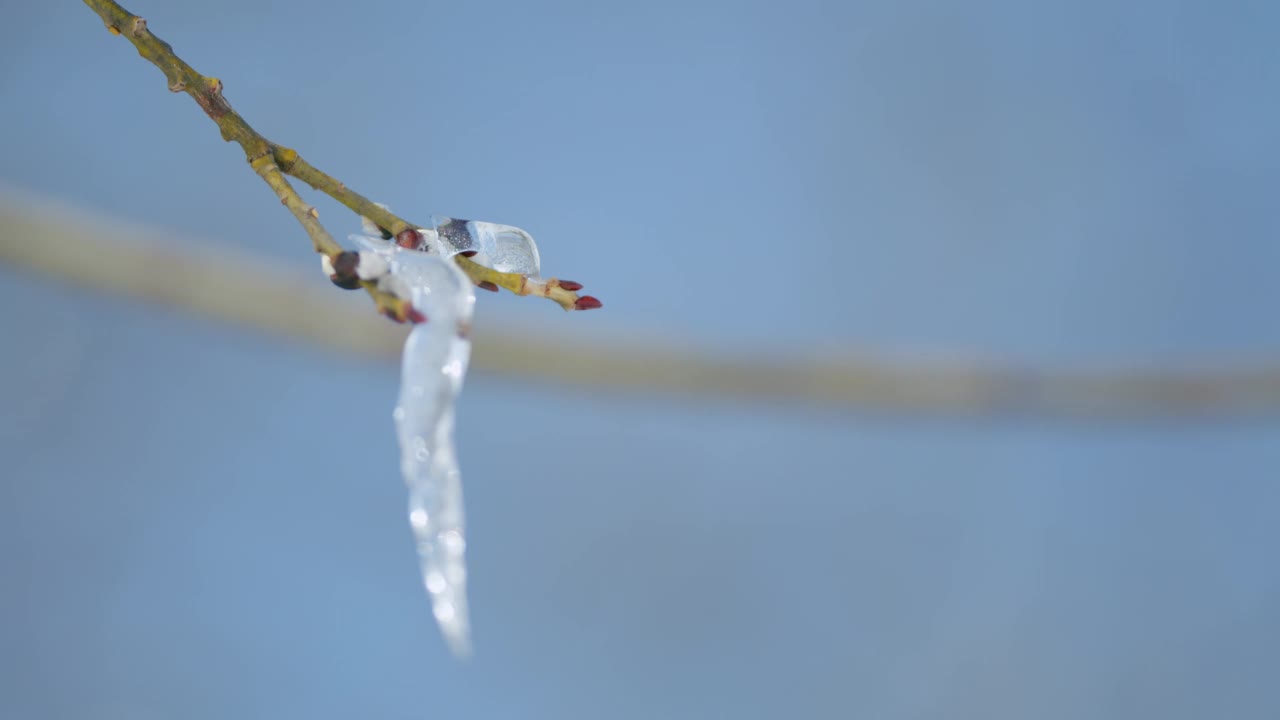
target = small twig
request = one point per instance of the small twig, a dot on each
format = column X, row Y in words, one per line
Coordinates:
column 293, row 164
column 305, row 214
column 272, row 162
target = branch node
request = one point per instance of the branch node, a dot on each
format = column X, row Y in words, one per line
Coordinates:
column 214, row 105
column 139, row 26
column 285, row 157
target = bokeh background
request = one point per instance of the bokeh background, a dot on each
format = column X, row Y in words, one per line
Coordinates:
column 203, row 520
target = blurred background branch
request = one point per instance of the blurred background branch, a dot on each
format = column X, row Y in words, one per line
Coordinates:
column 105, row 254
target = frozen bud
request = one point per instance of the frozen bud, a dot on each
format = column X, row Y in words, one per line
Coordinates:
column 344, row 270
column 409, row 239
column 339, row 270
column 345, row 262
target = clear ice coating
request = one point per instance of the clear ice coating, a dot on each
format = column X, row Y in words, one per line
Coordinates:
column 434, row 363
column 504, row 248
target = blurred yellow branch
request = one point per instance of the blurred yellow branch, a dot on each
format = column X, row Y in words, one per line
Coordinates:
column 104, row 254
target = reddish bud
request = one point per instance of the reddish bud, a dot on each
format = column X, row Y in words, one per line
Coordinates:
column 570, row 285
column 468, row 253
column 415, row 316
column 344, row 270
column 486, row 285
column 346, row 283
column 586, row 302
column 345, row 262
column 409, row 239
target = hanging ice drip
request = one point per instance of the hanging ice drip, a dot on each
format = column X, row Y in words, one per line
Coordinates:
column 434, row 364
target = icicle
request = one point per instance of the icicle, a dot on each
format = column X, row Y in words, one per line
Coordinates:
column 435, row 361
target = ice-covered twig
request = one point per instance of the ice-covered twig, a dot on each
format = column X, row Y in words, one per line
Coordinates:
column 562, row 292
column 273, row 161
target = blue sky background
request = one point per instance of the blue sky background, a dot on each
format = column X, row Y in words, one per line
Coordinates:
column 201, row 522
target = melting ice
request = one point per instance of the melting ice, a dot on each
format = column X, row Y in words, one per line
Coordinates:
column 434, row 364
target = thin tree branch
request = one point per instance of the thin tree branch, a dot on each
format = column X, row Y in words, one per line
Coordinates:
column 305, row 214
column 271, row 162
column 387, row 303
